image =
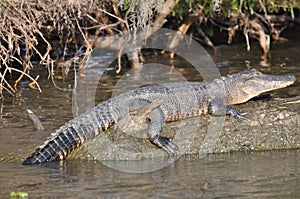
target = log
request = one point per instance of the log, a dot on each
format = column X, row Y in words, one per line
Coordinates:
column 272, row 125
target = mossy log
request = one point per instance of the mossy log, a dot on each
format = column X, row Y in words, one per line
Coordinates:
column 272, row 125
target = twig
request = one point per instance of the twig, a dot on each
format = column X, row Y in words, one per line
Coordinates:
column 119, row 58
column 32, row 79
column 19, row 79
column 89, row 48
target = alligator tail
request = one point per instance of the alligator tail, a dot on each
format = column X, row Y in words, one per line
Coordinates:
column 73, row 134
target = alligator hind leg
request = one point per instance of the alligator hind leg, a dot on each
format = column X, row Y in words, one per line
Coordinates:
column 157, row 120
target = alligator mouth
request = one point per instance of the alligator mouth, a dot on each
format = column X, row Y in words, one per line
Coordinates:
column 265, row 83
column 278, row 81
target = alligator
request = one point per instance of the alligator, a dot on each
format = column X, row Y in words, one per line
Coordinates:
column 158, row 104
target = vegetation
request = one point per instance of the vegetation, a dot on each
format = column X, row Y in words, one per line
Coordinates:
column 259, row 19
column 15, row 195
column 51, row 32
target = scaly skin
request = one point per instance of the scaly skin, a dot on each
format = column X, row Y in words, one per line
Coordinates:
column 159, row 103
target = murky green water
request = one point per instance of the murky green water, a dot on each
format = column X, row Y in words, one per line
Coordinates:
column 269, row 174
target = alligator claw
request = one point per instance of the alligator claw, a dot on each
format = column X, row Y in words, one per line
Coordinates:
column 238, row 115
column 167, row 145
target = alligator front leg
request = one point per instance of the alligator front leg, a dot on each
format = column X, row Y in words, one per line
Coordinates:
column 235, row 113
column 157, row 120
column 217, row 109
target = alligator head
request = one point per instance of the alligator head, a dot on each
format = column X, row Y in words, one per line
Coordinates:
column 247, row 84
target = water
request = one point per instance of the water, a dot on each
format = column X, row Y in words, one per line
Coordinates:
column 273, row 174
column 269, row 174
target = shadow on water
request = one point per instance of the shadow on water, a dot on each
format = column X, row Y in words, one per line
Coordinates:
column 272, row 174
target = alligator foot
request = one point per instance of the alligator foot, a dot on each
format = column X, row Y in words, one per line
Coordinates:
column 217, row 110
column 167, row 145
column 237, row 114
